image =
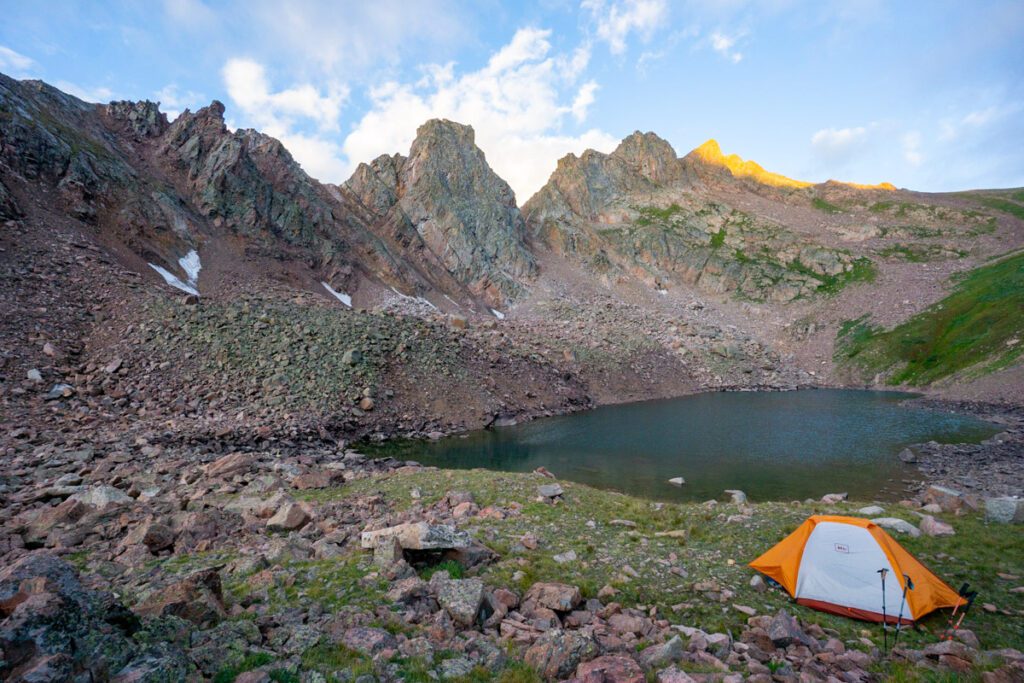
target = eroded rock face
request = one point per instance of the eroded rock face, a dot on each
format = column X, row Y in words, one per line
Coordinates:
column 642, row 212
column 447, row 202
column 52, row 628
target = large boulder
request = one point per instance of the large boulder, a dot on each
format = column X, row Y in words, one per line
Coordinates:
column 557, row 653
column 52, row 628
column 560, row 597
column 197, row 598
column 1005, row 510
column 934, row 527
column 462, row 599
column 610, row 669
column 101, row 496
column 897, row 524
column 785, row 630
column 229, row 465
column 418, row 536
column 948, row 499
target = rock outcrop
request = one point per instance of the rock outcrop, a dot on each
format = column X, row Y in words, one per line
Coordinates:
column 642, row 212
column 445, row 202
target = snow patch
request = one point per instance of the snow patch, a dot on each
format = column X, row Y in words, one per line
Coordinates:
column 498, row 314
column 340, row 296
column 191, row 265
column 173, row 280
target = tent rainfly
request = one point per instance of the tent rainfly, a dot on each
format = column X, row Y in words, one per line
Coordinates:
column 831, row 563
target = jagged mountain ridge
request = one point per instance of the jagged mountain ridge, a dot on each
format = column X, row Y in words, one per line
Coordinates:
column 156, row 191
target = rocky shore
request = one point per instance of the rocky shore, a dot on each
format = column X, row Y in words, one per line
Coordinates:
column 139, row 562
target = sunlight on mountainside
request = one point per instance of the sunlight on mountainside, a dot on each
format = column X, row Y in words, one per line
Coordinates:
column 740, row 168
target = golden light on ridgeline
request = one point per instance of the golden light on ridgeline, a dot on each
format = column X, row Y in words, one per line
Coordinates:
column 711, row 153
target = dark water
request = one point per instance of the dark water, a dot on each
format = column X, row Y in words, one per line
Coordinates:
column 775, row 446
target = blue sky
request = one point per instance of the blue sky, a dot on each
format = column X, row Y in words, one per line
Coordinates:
column 927, row 95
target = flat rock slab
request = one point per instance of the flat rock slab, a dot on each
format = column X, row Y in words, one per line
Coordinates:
column 419, row 536
column 897, row 524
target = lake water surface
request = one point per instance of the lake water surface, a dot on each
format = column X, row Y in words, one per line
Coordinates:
column 773, row 445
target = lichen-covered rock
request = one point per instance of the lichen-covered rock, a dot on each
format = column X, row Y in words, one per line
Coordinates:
column 462, row 599
column 557, row 653
column 197, row 598
column 52, row 628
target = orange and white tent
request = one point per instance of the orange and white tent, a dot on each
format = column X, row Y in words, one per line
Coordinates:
column 831, row 563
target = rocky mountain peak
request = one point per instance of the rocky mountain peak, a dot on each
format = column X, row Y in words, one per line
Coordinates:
column 462, row 213
column 710, row 154
column 649, row 155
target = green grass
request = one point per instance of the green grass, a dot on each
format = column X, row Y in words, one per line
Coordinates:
column 975, row 554
column 454, row 569
column 924, row 253
column 652, row 214
column 251, row 661
column 827, row 207
column 972, row 328
column 861, row 270
column 718, row 239
column 1000, row 204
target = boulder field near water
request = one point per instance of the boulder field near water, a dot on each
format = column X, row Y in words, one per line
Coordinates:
column 249, row 560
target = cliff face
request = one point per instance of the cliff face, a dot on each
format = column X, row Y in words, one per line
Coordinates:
column 438, row 223
column 642, row 212
column 445, row 199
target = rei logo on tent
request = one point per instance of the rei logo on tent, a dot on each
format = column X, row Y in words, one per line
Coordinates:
column 842, row 548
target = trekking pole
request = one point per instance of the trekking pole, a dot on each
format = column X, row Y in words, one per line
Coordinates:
column 907, row 585
column 885, row 625
column 948, row 633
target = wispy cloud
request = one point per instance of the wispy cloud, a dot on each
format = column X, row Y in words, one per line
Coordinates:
column 15, row 63
column 723, row 44
column 287, row 114
column 615, row 21
column 911, row 142
column 838, row 145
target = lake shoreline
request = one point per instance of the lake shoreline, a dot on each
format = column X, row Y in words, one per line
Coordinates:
column 902, row 482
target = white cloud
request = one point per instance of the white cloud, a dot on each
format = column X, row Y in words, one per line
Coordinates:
column 97, row 93
column 191, row 14
column 911, row 142
column 616, row 20
column 248, row 86
column 172, row 101
column 837, row 145
column 287, row 115
column 950, row 130
column 15, row 63
column 516, row 103
column 723, row 44
column 353, row 35
column 584, row 98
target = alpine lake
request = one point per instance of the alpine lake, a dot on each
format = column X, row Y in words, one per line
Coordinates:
column 787, row 445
